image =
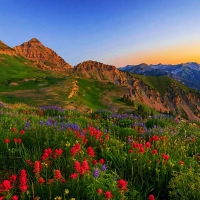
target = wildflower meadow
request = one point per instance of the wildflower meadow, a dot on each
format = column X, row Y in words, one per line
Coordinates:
column 50, row 153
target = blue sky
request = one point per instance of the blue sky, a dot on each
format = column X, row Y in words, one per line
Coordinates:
column 116, row 32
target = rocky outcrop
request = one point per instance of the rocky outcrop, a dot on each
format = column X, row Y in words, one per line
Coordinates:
column 101, row 72
column 4, row 49
column 43, row 57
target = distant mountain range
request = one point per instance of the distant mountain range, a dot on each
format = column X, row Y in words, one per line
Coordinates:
column 156, row 86
column 186, row 73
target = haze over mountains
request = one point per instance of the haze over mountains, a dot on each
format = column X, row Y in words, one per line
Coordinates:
column 157, row 89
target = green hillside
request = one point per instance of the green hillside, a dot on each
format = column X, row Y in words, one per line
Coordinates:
column 92, row 91
column 15, row 68
column 160, row 83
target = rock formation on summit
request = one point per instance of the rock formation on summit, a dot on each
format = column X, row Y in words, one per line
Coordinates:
column 43, row 57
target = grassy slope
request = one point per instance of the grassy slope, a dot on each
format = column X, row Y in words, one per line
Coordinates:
column 160, row 83
column 91, row 91
column 15, row 68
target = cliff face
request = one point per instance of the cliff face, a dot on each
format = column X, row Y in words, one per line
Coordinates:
column 174, row 99
column 43, row 57
column 4, row 49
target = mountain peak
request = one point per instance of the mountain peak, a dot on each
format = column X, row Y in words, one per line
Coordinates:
column 34, row 40
column 42, row 56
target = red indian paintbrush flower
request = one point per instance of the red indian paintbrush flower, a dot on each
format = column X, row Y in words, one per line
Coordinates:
column 94, row 162
column 6, row 140
column 85, row 165
column 99, row 191
column 29, row 162
column 108, row 195
column 154, row 151
column 58, row 152
column 22, row 132
column 82, row 170
column 50, row 181
column 13, row 178
column 15, row 197
column 135, row 145
column 23, row 180
column 151, row 197
column 165, row 157
column 73, row 176
column 141, row 150
column 5, row 185
column 90, row 152
column 73, row 151
column 148, row 145
column 13, row 129
column 102, row 161
column 122, row 184
column 77, row 166
column 37, row 167
column 57, row 174
column 41, row 180
column 77, row 147
column 181, row 162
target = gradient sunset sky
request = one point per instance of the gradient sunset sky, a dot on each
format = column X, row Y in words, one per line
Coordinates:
column 117, row 32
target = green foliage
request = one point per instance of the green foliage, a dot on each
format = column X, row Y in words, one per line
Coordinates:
column 158, row 122
column 185, row 185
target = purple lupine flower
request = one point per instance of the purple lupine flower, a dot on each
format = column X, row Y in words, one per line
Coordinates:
column 103, row 168
column 96, row 173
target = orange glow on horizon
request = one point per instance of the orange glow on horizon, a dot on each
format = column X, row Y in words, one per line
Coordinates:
column 169, row 55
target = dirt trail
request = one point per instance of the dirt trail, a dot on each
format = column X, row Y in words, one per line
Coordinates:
column 74, row 90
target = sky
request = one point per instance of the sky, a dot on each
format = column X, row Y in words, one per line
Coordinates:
column 120, row 32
